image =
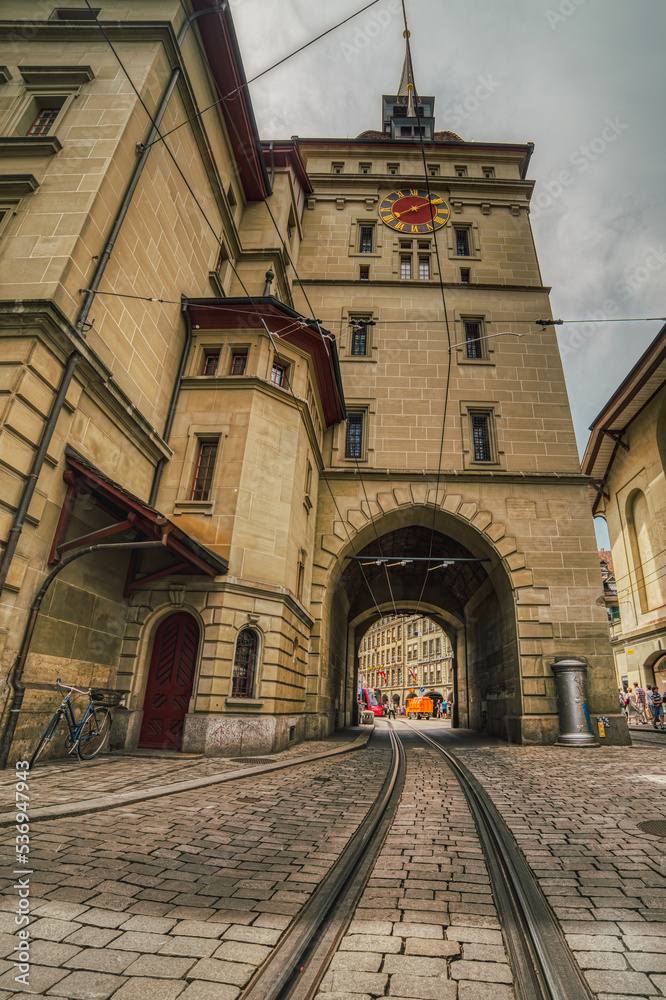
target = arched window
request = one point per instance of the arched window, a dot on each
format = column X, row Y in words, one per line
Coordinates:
column 245, row 663
column 640, row 534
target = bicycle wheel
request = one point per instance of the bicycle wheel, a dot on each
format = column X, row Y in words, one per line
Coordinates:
column 45, row 738
column 94, row 733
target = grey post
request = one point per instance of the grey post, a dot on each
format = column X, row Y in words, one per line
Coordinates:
column 572, row 704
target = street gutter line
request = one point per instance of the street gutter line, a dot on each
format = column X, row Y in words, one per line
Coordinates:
column 105, row 802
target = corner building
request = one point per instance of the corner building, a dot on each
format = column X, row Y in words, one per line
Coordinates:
column 167, row 386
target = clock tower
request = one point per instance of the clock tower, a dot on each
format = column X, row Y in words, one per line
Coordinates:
column 453, row 489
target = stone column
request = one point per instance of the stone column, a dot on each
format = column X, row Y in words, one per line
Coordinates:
column 572, row 704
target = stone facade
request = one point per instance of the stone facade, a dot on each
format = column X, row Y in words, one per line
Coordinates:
column 176, row 364
column 626, row 458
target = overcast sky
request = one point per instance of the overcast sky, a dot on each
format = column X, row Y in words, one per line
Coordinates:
column 585, row 80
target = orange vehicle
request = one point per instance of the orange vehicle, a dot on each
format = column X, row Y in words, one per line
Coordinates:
column 420, row 707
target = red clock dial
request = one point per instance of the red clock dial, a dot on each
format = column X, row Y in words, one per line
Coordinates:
column 413, row 211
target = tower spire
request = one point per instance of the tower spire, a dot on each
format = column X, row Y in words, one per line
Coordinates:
column 406, row 87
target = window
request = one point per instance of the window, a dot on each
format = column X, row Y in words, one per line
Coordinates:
column 40, row 115
column 203, row 475
column 245, row 663
column 405, row 267
column 424, row 268
column 399, row 110
column 359, row 337
column 238, row 363
column 366, row 239
column 461, row 171
column 473, row 343
column 488, row 171
column 210, row 362
column 231, row 198
column 354, row 437
column 433, row 169
column 364, row 168
column 393, row 168
column 364, row 273
column 464, row 276
column 481, row 437
column 279, row 373
column 44, row 121
column 337, row 167
column 462, row 241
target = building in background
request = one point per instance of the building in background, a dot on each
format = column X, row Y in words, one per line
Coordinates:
column 626, row 458
column 404, row 654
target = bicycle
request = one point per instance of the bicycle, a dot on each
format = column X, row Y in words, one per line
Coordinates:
column 89, row 735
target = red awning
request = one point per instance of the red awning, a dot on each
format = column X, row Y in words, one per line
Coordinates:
column 128, row 514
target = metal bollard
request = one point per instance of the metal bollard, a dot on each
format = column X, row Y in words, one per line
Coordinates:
column 572, row 704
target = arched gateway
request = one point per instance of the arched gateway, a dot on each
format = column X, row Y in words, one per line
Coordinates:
column 479, row 588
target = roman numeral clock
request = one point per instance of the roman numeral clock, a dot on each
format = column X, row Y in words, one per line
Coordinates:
column 413, row 212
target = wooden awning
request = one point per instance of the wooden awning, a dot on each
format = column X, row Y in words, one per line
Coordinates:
column 128, row 513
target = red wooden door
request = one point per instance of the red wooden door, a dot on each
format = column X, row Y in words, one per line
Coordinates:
column 170, row 682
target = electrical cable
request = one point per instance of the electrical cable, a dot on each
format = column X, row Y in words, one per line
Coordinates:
column 309, row 305
column 122, row 66
column 408, row 321
column 251, row 166
column 443, row 295
column 233, row 93
column 173, row 158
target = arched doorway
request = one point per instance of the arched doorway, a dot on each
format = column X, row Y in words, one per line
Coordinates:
column 457, row 579
column 170, row 679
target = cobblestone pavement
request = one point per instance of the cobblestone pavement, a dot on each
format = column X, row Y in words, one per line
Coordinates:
column 66, row 780
column 575, row 815
column 182, row 896
column 426, row 927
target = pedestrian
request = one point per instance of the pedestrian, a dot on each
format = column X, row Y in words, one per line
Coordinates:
column 391, row 711
column 445, row 708
column 633, row 712
column 640, row 701
column 657, row 706
column 623, row 703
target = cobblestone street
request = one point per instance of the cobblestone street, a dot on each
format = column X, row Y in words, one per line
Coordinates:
column 186, row 894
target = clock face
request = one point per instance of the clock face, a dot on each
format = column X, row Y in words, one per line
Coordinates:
column 412, row 212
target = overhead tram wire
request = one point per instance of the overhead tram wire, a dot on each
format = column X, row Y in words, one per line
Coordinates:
column 253, row 170
column 208, row 222
column 173, row 158
column 443, row 295
column 233, row 93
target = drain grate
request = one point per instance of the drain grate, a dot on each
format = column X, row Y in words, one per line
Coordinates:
column 657, row 827
column 255, row 760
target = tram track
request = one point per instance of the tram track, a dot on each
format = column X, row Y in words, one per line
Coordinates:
column 300, row 959
column 542, row 963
